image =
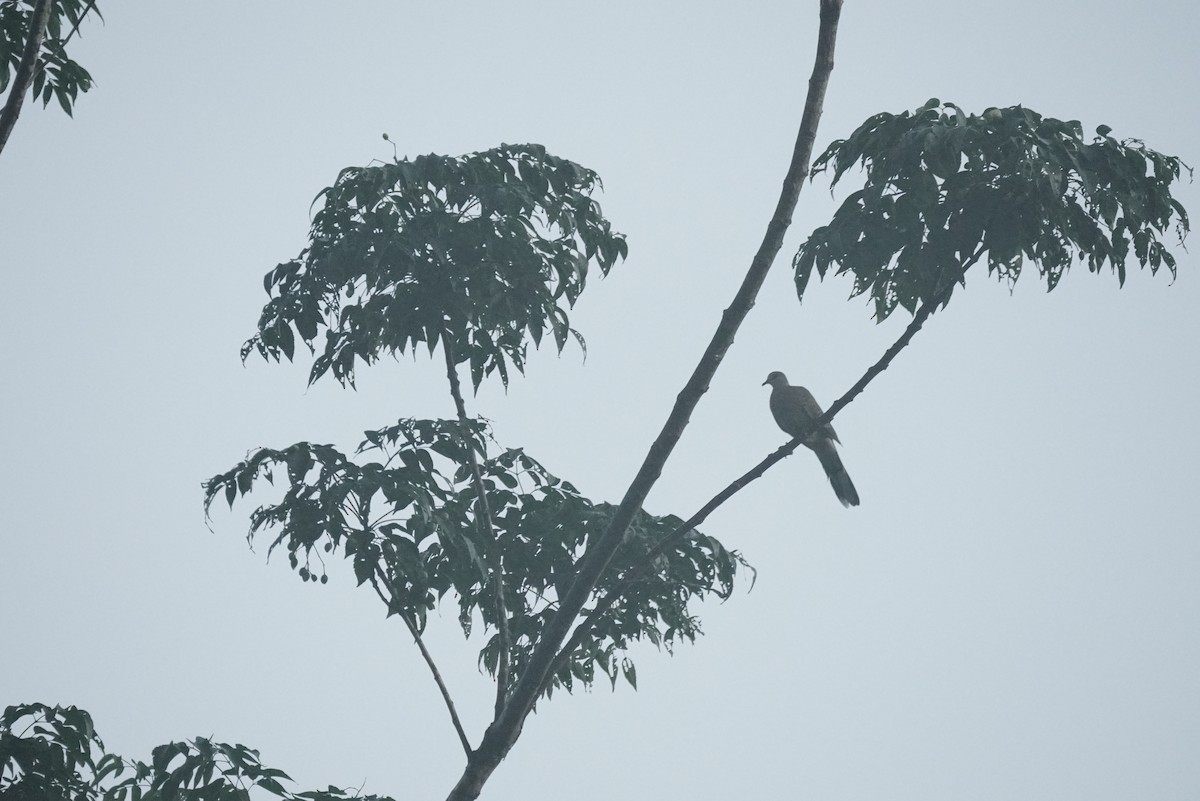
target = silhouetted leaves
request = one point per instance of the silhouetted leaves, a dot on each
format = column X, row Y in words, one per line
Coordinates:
column 50, row 754
column 486, row 252
column 485, row 249
column 57, row 76
column 655, row 608
column 53, row 754
column 408, row 521
column 943, row 187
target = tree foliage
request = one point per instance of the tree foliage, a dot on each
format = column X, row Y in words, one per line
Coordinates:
column 49, row 753
column 485, row 253
column 483, row 249
column 58, row 75
column 480, row 254
column 942, row 187
column 409, row 524
column 54, row 754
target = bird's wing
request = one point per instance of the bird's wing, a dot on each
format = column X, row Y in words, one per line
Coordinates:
column 796, row 408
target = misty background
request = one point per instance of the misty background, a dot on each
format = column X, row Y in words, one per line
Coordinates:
column 1012, row 612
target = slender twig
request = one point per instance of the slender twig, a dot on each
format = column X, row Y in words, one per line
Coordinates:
column 489, row 532
column 25, row 70
column 437, row 676
column 506, row 728
column 91, row 6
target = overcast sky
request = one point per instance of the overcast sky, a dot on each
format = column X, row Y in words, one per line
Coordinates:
column 1014, row 610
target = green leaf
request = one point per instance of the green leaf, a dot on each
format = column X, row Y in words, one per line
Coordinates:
column 418, row 261
column 943, row 189
column 64, row 101
column 630, row 672
column 426, row 546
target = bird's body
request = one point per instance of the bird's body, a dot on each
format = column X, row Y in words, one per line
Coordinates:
column 794, row 410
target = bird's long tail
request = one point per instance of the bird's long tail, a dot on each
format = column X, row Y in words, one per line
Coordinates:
column 843, row 487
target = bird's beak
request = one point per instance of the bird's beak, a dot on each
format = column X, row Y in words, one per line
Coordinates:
column 765, row 383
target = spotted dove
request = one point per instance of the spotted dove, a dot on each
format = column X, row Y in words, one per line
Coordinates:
column 794, row 409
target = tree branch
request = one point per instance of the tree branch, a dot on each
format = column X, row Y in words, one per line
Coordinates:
column 923, row 313
column 91, row 6
column 596, row 560
column 489, row 532
column 25, row 69
column 437, row 676
column 506, row 728
column 645, row 563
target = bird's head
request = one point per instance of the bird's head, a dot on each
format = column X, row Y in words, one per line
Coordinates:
column 776, row 379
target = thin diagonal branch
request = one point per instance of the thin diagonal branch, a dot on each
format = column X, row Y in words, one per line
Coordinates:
column 646, row 562
column 25, row 69
column 91, row 6
column 506, row 728
column 634, row 574
column 496, row 561
column 593, row 563
column 437, row 676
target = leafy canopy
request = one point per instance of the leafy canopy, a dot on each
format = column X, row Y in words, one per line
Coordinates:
column 58, row 75
column 942, row 187
column 479, row 250
column 54, row 754
column 409, row 523
column 481, row 254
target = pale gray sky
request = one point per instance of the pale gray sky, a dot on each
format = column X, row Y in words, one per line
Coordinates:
column 1014, row 610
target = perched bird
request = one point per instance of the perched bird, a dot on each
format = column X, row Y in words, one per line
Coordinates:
column 794, row 409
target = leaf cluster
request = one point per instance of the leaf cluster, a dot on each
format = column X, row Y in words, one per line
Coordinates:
column 199, row 769
column 656, row 607
column 485, row 249
column 53, row 754
column 50, row 754
column 57, row 74
column 409, row 523
column 942, row 187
